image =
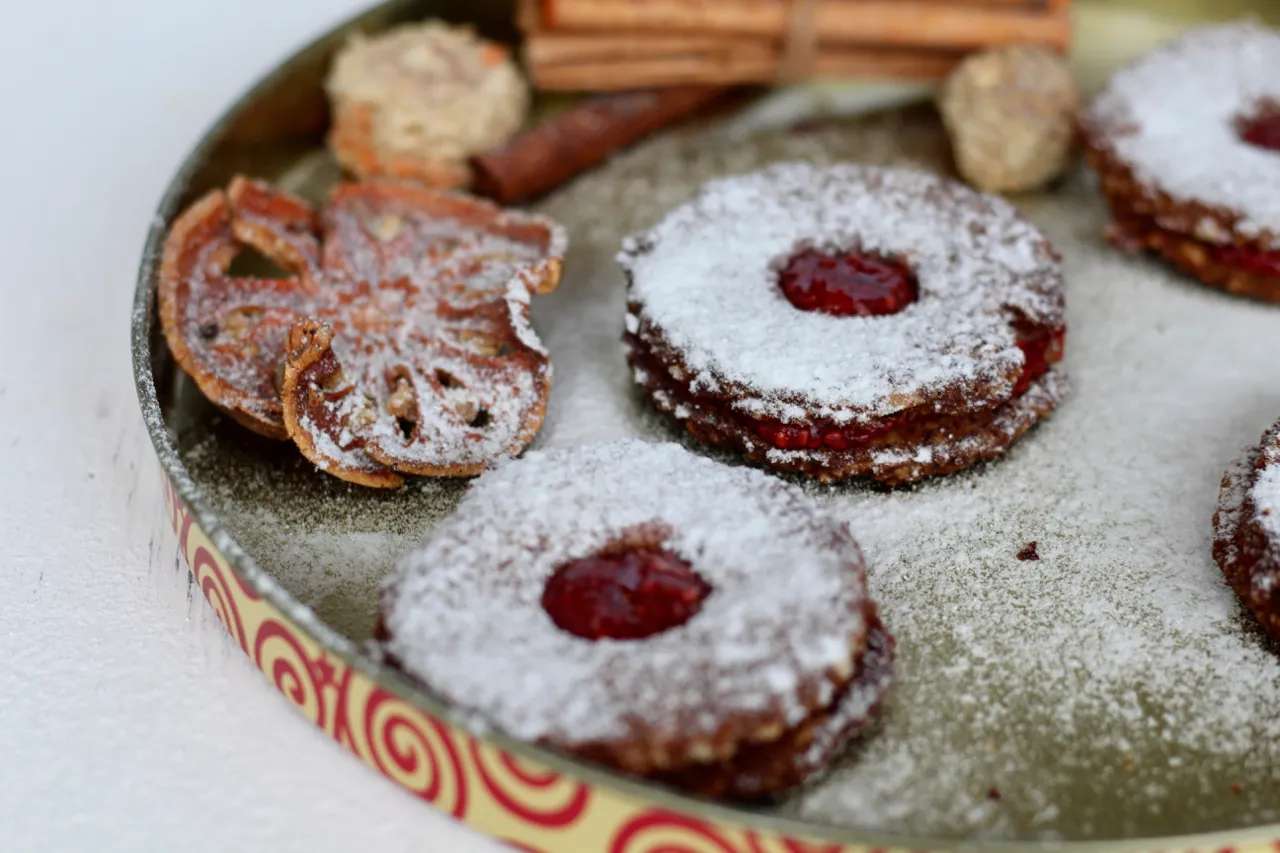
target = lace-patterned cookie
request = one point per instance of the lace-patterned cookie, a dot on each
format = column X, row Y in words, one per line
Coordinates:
column 398, row 343
column 847, row 321
column 1186, row 144
column 419, row 100
column 649, row 609
column 1247, row 530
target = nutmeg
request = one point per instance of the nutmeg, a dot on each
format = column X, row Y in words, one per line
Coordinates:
column 1010, row 113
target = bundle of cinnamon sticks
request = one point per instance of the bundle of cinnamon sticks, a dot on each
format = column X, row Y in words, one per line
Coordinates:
column 599, row 45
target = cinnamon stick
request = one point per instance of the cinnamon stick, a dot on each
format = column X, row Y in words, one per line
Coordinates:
column 885, row 23
column 591, row 73
column 605, row 76
column 569, row 144
column 545, row 48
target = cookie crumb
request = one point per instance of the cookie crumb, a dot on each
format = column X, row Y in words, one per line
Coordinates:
column 1029, row 552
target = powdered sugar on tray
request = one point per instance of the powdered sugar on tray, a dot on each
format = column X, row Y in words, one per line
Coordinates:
column 711, row 265
column 785, row 608
column 1172, row 116
column 1112, row 688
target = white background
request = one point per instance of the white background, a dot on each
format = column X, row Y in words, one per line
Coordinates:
column 128, row 720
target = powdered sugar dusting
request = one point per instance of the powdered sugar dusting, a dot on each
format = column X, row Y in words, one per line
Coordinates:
column 1247, row 520
column 1265, row 493
column 1235, row 486
column 519, row 290
column 855, row 710
column 786, row 601
column 1113, row 689
column 706, row 277
column 429, row 300
column 1172, row 116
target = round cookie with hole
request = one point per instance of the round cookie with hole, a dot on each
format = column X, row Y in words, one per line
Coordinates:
column 1246, row 527
column 1186, row 145
column 847, row 321
column 704, row 626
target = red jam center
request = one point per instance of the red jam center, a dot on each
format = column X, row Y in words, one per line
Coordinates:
column 627, row 596
column 1262, row 129
column 847, row 285
column 1250, row 260
column 1041, row 352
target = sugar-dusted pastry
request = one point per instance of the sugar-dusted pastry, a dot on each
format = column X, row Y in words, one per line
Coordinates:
column 399, row 341
column 1186, row 144
column 418, row 100
column 847, row 321
column 1247, row 530
column 640, row 606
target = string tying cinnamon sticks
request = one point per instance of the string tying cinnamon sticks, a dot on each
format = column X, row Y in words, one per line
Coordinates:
column 799, row 43
column 617, row 44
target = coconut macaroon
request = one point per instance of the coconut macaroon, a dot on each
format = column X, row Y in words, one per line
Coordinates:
column 418, row 100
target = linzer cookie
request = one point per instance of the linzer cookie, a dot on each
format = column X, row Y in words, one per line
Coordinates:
column 419, row 100
column 847, row 321
column 1247, row 530
column 1186, row 143
column 398, row 341
column 633, row 604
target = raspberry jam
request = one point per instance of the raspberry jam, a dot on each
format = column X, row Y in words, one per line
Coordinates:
column 851, row 284
column 627, row 596
column 788, row 437
column 1250, row 260
column 1040, row 352
column 1263, row 128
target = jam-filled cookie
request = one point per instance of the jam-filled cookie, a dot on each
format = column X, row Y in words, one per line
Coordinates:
column 847, row 321
column 639, row 606
column 1186, row 144
column 1247, row 530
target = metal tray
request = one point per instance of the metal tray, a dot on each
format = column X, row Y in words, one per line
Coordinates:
column 289, row 559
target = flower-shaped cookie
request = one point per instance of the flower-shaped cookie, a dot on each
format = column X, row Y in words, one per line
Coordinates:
column 399, row 342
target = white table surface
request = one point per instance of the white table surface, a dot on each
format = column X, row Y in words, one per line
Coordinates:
column 128, row 720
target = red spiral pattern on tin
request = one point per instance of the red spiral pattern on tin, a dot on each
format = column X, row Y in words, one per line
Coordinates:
column 244, row 588
column 183, row 529
column 172, row 504
column 540, row 797
column 209, row 578
column 182, row 523
column 278, row 653
column 660, row 831
column 415, row 751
